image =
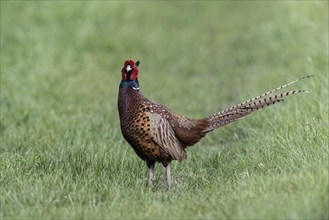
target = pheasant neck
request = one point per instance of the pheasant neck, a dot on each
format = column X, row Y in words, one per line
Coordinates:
column 129, row 100
column 133, row 84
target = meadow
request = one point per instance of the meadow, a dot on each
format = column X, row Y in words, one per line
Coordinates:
column 62, row 154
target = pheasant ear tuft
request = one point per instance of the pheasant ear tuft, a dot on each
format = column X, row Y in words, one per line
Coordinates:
column 137, row 63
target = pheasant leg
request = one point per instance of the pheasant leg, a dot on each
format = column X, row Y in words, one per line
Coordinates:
column 169, row 180
column 151, row 175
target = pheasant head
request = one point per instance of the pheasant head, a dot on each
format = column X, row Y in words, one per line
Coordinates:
column 130, row 71
column 129, row 75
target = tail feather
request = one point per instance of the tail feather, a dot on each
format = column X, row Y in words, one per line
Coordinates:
column 233, row 113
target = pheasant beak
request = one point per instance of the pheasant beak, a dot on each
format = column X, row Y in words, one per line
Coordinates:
column 128, row 68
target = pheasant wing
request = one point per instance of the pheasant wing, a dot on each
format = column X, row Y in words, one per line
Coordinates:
column 163, row 134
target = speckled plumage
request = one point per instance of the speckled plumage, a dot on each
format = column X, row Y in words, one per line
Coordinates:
column 155, row 132
column 158, row 134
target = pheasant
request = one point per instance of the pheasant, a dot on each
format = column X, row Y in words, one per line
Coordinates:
column 157, row 134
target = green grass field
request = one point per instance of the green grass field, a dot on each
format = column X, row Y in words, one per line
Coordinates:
column 62, row 153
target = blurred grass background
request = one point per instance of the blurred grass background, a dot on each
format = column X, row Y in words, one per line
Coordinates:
column 62, row 153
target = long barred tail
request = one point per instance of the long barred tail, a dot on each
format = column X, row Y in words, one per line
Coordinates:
column 233, row 113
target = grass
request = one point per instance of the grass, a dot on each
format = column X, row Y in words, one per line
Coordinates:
column 62, row 153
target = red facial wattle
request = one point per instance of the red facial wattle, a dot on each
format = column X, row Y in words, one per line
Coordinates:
column 129, row 70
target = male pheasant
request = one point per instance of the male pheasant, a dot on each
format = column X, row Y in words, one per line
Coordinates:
column 158, row 134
